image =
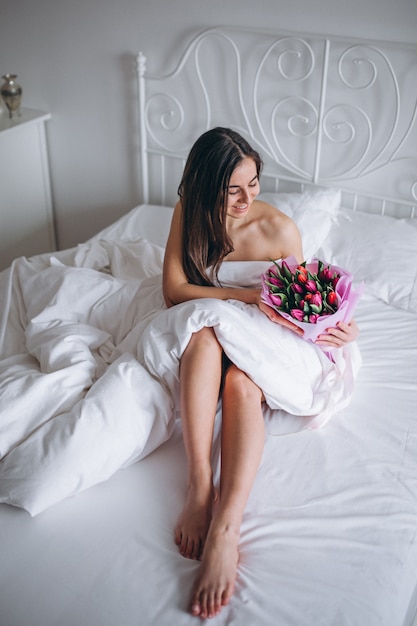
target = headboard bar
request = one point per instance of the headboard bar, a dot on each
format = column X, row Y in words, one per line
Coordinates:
column 326, row 111
column 325, row 66
column 141, row 67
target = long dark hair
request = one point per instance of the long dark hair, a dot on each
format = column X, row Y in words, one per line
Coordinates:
column 203, row 193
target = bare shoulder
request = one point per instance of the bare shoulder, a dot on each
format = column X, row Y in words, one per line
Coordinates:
column 280, row 230
column 273, row 221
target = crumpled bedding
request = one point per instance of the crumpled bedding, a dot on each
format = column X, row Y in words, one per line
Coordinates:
column 90, row 360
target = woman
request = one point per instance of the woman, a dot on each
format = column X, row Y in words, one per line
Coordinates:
column 217, row 221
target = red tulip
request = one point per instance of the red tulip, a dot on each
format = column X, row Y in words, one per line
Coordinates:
column 302, row 278
column 331, row 298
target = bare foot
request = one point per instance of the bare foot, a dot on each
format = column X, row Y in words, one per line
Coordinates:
column 194, row 521
column 215, row 581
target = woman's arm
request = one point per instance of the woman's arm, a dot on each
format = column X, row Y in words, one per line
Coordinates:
column 176, row 287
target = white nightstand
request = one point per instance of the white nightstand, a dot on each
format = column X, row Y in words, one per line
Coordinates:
column 26, row 218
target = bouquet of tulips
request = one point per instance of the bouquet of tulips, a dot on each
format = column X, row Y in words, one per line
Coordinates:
column 314, row 296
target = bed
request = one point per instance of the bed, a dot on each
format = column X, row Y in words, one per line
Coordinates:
column 92, row 469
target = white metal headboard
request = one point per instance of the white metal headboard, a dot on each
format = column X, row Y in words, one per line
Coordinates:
column 321, row 110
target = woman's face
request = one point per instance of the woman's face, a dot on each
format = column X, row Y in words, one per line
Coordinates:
column 243, row 188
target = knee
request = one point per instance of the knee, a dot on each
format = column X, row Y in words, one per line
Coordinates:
column 204, row 339
column 238, row 383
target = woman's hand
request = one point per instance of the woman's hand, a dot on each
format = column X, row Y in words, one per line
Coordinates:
column 339, row 335
column 335, row 337
column 278, row 319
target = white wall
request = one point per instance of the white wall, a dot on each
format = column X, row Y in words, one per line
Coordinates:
column 76, row 60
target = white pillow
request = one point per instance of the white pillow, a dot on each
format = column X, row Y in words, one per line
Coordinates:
column 312, row 211
column 147, row 221
column 379, row 250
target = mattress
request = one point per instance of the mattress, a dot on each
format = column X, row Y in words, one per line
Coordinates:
column 329, row 532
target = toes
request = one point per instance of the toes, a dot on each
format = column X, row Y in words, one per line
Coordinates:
column 196, row 609
column 227, row 594
column 198, row 604
column 185, row 547
column 208, row 604
column 182, row 542
column 214, row 605
column 189, row 547
column 199, row 549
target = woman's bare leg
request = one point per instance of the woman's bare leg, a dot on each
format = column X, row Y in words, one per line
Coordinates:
column 243, row 438
column 200, row 378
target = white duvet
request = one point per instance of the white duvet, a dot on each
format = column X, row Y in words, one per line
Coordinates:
column 90, row 360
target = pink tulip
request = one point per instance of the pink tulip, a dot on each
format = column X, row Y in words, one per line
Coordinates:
column 274, row 280
column 316, row 299
column 276, row 300
column 316, row 303
column 325, row 274
column 311, row 285
column 286, row 270
column 297, row 314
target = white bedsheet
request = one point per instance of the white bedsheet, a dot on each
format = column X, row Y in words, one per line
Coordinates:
column 329, row 536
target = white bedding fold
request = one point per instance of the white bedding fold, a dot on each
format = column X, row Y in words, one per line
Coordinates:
column 97, row 386
column 295, row 375
column 115, row 424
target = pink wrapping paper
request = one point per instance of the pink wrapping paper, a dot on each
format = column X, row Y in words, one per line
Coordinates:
column 348, row 297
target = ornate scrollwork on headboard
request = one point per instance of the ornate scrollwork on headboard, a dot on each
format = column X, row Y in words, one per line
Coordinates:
column 321, row 110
